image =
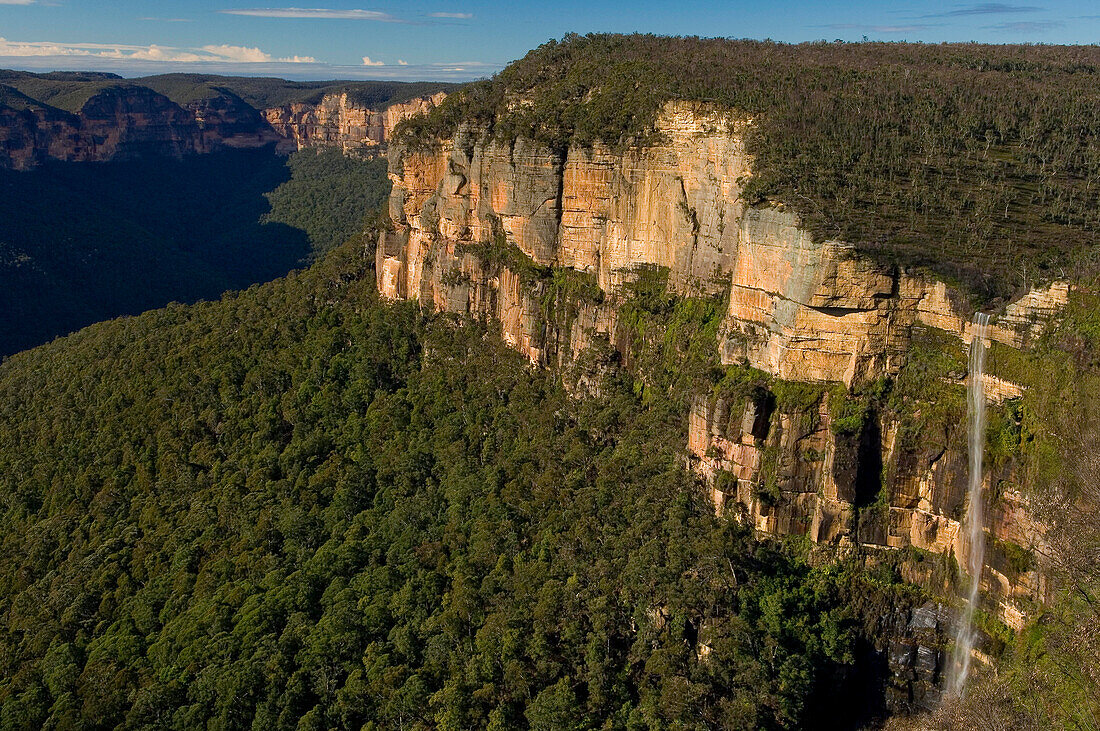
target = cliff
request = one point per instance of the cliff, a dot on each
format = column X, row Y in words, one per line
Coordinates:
column 99, row 121
column 506, row 231
column 114, row 122
column 338, row 121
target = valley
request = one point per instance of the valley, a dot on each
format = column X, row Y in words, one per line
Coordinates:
column 650, row 383
column 123, row 195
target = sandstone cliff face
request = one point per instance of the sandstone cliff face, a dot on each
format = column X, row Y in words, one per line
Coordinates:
column 595, row 210
column 120, row 123
column 126, row 122
column 338, row 122
column 789, row 472
column 129, row 121
column 816, row 312
column 228, row 121
column 32, row 132
column 798, row 309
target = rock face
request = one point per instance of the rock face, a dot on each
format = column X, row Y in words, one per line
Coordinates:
column 116, row 122
column 912, row 643
column 594, row 210
column 816, row 312
column 338, row 122
column 126, row 121
column 791, row 471
column 227, row 120
column 798, row 309
column 29, row 131
column 812, row 311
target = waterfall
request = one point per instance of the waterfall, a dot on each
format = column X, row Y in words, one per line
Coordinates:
column 966, row 636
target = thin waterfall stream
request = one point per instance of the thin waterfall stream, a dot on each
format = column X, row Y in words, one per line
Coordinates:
column 967, row 635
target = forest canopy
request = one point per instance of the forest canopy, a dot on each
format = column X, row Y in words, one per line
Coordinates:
column 69, row 90
column 302, row 508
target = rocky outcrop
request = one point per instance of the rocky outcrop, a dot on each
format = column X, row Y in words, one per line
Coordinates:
column 129, row 122
column 115, row 122
column 812, row 311
column 791, row 471
column 473, row 216
column 121, row 121
column 1021, row 322
column 30, row 131
column 595, row 211
column 912, row 642
column 339, row 122
column 815, row 311
column 226, row 120
column 798, row 308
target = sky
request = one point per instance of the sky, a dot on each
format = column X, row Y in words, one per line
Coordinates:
column 459, row 40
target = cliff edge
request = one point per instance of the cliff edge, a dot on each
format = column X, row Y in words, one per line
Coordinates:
column 491, row 228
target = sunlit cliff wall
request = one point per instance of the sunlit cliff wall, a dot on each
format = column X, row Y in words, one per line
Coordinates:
column 131, row 121
column 338, row 122
column 798, row 309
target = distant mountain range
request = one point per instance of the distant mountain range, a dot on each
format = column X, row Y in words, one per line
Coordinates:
column 86, row 116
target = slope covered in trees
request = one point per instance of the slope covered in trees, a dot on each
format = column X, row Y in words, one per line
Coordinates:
column 299, row 507
column 328, row 196
column 83, row 242
column 980, row 163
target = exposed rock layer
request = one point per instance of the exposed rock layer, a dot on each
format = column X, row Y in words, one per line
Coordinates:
column 120, row 122
column 798, row 309
column 338, row 122
column 114, row 123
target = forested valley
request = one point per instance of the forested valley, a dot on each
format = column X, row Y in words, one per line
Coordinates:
column 298, row 505
column 84, row 242
column 301, row 508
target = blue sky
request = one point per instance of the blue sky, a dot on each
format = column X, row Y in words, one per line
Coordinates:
column 465, row 39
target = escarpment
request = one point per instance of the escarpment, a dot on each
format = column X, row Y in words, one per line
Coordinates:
column 121, row 121
column 337, row 121
column 115, row 122
column 547, row 243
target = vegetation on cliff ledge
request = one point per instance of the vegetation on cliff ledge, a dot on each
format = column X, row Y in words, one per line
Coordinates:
column 978, row 163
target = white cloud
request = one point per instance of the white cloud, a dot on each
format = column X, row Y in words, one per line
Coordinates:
column 153, row 52
column 368, row 62
column 16, row 48
column 315, row 13
column 238, row 53
column 138, row 60
column 16, row 2
column 459, row 16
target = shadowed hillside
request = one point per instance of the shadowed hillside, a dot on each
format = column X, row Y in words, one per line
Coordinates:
column 83, row 242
